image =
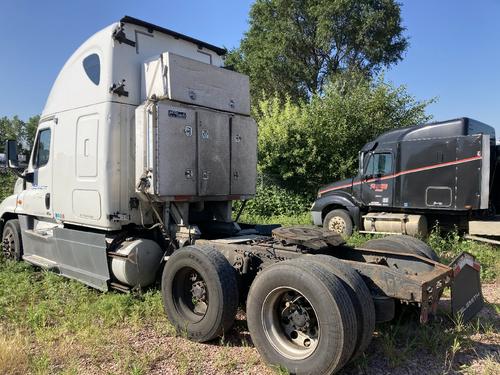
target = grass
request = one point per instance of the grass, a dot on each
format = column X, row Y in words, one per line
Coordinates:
column 401, row 341
column 449, row 245
column 52, row 325
column 49, row 324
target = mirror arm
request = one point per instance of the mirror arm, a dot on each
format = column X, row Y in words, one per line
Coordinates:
column 16, row 171
column 28, row 177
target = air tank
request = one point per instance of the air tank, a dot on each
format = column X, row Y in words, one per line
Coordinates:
column 136, row 262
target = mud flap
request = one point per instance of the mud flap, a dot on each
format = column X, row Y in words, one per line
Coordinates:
column 466, row 294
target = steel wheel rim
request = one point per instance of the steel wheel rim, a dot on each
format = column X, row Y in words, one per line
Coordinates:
column 9, row 244
column 337, row 224
column 293, row 329
column 190, row 294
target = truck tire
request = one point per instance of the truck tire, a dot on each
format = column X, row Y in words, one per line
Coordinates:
column 416, row 245
column 301, row 317
column 360, row 295
column 200, row 293
column 413, row 246
column 12, row 245
column 339, row 221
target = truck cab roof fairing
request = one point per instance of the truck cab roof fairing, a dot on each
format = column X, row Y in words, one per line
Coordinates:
column 450, row 128
column 134, row 21
column 74, row 88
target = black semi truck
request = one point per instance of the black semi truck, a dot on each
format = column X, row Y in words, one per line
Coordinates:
column 411, row 178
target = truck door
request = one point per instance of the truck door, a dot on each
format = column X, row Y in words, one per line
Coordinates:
column 377, row 183
column 36, row 199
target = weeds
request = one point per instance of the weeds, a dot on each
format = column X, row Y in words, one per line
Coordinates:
column 299, row 219
column 402, row 340
column 49, row 324
column 451, row 352
column 64, row 319
column 449, row 245
column 491, row 365
column 13, row 357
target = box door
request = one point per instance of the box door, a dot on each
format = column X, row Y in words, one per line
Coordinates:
column 243, row 155
column 213, row 153
column 175, row 164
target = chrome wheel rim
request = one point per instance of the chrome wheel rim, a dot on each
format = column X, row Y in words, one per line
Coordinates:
column 337, row 224
column 290, row 323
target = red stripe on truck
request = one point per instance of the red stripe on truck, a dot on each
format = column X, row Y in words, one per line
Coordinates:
column 409, row 171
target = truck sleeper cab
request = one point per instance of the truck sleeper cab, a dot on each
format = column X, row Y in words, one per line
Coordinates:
column 143, row 144
column 410, row 177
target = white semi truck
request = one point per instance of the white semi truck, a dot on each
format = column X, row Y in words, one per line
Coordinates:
column 143, row 144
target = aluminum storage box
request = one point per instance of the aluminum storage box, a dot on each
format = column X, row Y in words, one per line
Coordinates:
column 193, row 153
column 182, row 79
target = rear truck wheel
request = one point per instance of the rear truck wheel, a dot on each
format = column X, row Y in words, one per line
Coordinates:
column 12, row 246
column 414, row 244
column 301, row 317
column 339, row 221
column 402, row 243
column 200, row 293
column 359, row 294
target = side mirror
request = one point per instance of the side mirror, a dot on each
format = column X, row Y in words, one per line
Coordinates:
column 11, row 148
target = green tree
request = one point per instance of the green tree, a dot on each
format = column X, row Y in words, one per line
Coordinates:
column 308, row 144
column 10, row 129
column 293, row 47
column 15, row 128
column 30, row 131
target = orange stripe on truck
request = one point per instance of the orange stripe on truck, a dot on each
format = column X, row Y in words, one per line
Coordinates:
column 409, row 171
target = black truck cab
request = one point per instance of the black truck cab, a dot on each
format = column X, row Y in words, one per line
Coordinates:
column 439, row 169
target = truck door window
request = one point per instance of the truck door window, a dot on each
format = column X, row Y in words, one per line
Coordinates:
column 379, row 165
column 42, row 148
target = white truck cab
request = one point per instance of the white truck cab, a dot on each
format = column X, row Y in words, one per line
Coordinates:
column 142, row 126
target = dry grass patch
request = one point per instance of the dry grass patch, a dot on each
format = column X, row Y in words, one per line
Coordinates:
column 13, row 354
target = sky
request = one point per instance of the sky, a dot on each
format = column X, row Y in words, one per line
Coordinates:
column 454, row 52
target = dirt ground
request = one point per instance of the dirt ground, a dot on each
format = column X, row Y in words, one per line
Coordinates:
column 402, row 348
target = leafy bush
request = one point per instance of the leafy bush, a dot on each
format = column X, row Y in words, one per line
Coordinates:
column 309, row 144
column 297, row 219
column 272, row 200
column 7, row 181
column 449, row 245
